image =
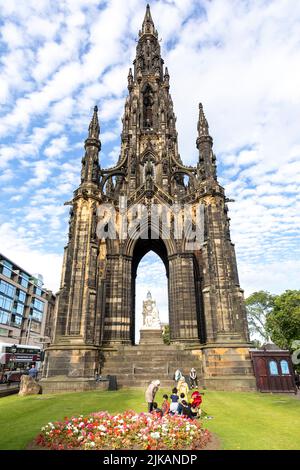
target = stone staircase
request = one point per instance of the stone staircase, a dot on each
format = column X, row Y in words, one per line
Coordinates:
column 137, row 366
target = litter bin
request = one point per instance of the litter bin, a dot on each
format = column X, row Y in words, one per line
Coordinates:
column 112, row 384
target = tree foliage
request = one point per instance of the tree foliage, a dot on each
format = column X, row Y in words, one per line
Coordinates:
column 283, row 322
column 166, row 334
column 274, row 317
column 259, row 305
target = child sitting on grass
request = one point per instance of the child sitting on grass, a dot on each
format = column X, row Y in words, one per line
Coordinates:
column 165, row 407
column 181, row 399
column 174, row 402
column 156, row 411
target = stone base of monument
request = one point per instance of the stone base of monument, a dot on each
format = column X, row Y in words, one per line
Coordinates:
column 148, row 336
column 63, row 384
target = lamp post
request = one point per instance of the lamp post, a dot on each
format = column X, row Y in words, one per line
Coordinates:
column 28, row 330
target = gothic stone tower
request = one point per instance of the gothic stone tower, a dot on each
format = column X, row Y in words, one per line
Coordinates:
column 96, row 302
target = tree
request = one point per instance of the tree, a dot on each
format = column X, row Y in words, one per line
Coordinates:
column 166, row 334
column 259, row 305
column 283, row 323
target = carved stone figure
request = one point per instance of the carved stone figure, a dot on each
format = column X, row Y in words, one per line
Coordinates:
column 150, row 314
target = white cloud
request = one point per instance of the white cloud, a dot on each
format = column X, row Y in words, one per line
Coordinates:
column 57, row 147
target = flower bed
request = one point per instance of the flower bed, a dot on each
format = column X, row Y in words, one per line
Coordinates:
column 127, row 430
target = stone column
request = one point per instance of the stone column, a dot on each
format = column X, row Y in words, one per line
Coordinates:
column 182, row 299
column 118, row 308
column 222, row 295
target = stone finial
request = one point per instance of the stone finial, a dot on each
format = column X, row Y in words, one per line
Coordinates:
column 94, row 127
column 203, row 128
column 130, row 80
column 148, row 25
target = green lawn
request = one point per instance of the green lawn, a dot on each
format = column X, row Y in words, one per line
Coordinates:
column 241, row 420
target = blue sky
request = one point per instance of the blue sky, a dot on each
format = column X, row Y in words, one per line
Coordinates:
column 241, row 59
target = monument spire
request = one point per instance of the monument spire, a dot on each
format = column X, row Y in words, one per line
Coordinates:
column 90, row 170
column 204, row 143
column 148, row 24
column 203, row 128
column 94, row 127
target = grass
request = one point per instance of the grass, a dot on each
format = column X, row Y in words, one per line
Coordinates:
column 241, row 420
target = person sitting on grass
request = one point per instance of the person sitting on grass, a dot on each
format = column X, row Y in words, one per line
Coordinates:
column 156, row 411
column 165, row 407
column 181, row 398
column 174, row 402
column 186, row 410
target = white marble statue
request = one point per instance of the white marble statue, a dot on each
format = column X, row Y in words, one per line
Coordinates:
column 150, row 314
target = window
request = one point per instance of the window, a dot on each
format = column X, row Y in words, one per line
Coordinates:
column 5, row 303
column 4, row 317
column 38, row 290
column 273, row 368
column 6, row 268
column 22, row 296
column 7, row 289
column 36, row 315
column 19, row 308
column 284, row 367
column 38, row 305
column 24, row 279
column 17, row 320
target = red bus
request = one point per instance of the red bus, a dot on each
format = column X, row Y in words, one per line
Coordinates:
column 17, row 358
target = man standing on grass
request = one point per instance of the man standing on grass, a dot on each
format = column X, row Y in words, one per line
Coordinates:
column 193, row 378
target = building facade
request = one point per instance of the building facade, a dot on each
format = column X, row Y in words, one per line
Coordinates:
column 95, row 319
column 24, row 305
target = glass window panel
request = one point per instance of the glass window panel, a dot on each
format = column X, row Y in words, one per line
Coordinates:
column 38, row 291
column 7, row 289
column 37, row 315
column 284, row 367
column 18, row 320
column 8, row 304
column 24, row 282
column 273, row 368
column 6, row 272
column 11, row 290
column 38, row 305
column 6, row 268
column 22, row 296
column 4, row 317
column 19, row 308
column 5, row 303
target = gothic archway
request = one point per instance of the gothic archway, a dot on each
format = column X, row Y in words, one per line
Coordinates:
column 141, row 248
column 151, row 282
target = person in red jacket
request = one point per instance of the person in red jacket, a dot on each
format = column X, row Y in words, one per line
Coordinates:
column 196, row 401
